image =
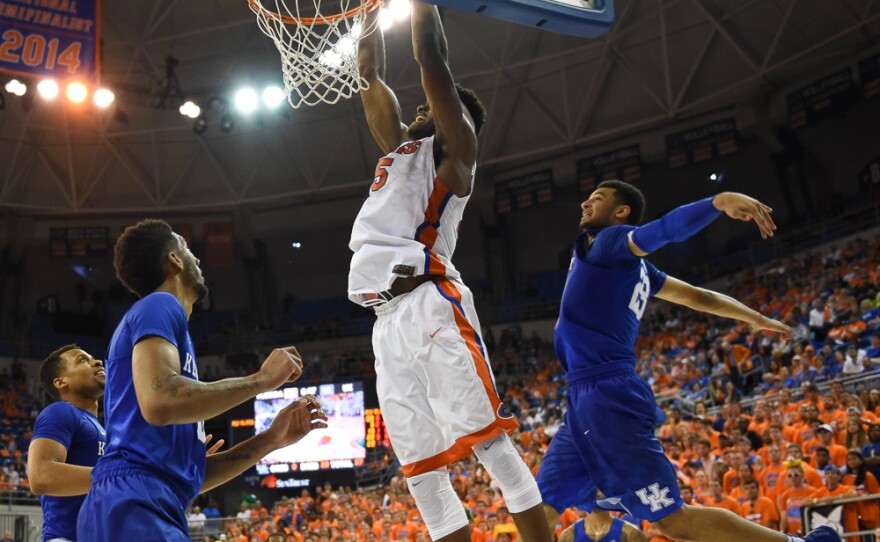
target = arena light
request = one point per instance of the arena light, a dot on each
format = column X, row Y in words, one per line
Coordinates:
column 246, row 100
column 273, row 97
column 190, row 109
column 48, row 89
column 16, row 87
column 386, row 19
column 104, row 98
column 77, row 92
column 227, row 123
column 400, row 9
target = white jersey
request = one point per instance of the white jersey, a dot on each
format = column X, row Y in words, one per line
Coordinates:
column 407, row 227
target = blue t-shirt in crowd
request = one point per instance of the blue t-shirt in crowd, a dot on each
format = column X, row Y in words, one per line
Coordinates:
column 605, row 296
column 83, row 437
column 872, row 450
column 176, row 451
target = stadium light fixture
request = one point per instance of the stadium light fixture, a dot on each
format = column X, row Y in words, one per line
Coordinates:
column 273, row 97
column 400, row 9
column 16, row 87
column 77, row 92
column 190, row 109
column 200, row 125
column 48, row 89
column 246, row 100
column 104, row 98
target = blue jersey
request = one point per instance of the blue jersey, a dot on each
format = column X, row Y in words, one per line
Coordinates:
column 175, row 451
column 614, row 534
column 604, row 298
column 83, row 437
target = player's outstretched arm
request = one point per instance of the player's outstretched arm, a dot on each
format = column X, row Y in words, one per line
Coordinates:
column 380, row 103
column 686, row 221
column 48, row 474
column 294, row 422
column 454, row 129
column 700, row 299
column 166, row 397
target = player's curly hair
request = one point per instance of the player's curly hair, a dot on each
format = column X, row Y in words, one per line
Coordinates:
column 50, row 369
column 627, row 194
column 140, row 255
column 474, row 106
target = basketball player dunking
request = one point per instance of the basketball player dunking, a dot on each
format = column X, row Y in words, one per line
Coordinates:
column 434, row 381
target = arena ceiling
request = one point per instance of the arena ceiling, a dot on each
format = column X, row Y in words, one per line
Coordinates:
column 546, row 93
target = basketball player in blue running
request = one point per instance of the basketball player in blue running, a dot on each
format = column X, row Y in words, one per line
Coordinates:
column 599, row 526
column 68, row 438
column 607, row 443
column 154, row 405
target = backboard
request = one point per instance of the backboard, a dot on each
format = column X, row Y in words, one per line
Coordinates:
column 584, row 18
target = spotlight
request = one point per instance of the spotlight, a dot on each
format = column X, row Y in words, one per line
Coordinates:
column 386, row 18
column 200, row 125
column 77, row 92
column 296, row 244
column 273, row 97
column 330, row 58
column 346, row 46
column 190, row 109
column 48, row 89
column 104, row 98
column 715, row 177
column 246, row 100
column 227, row 123
column 16, row 87
column 400, row 9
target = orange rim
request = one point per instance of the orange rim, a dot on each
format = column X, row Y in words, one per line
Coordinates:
column 368, row 5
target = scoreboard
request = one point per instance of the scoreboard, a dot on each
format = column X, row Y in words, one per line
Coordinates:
column 828, row 96
column 524, row 191
column 377, row 434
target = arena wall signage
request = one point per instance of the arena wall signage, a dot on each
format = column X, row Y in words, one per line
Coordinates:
column 524, row 191
column 624, row 164
column 702, row 143
column 60, row 39
column 869, row 75
column 827, row 96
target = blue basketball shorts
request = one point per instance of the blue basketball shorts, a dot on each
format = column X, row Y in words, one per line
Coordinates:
column 607, row 444
column 134, row 503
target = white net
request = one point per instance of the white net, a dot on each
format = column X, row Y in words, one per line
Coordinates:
column 318, row 48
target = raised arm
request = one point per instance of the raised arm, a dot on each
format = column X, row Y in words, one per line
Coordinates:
column 166, row 397
column 380, row 103
column 683, row 222
column 454, row 128
column 48, row 473
column 700, row 299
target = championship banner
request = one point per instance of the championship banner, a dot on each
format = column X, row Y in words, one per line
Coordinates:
column 624, row 164
column 702, row 143
column 524, row 191
column 828, row 96
column 869, row 74
column 60, row 39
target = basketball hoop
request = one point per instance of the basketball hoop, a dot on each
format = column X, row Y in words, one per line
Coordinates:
column 318, row 49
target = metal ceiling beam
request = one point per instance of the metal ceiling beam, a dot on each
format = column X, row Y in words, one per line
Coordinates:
column 693, row 71
column 97, row 181
column 779, row 31
column 738, row 46
column 57, row 174
column 184, row 174
column 225, row 175
column 131, row 166
column 667, row 76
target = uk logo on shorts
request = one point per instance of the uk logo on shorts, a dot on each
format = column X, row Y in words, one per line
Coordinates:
column 657, row 499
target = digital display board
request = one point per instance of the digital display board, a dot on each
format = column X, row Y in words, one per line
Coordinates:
column 342, row 445
column 67, row 242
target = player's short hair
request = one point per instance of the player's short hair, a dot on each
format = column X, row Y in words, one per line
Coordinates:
column 50, row 369
column 139, row 257
column 474, row 106
column 627, row 194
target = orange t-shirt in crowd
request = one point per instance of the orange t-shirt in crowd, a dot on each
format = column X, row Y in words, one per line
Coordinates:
column 731, row 480
column 771, row 479
column 565, row 519
column 762, row 511
column 790, row 506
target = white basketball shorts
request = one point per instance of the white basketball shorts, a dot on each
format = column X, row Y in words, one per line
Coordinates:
column 435, row 385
